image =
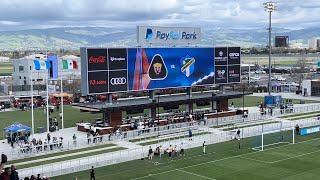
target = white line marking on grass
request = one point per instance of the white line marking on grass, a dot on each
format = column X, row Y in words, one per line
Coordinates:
column 251, row 159
column 208, row 162
column 142, row 177
column 294, row 157
column 198, row 175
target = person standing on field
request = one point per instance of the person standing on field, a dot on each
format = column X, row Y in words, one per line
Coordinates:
column 92, row 175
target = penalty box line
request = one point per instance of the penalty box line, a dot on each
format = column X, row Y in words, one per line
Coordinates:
column 227, row 158
column 194, row 174
column 294, row 157
column 280, row 160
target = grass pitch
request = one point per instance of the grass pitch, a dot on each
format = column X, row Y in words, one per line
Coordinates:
column 221, row 162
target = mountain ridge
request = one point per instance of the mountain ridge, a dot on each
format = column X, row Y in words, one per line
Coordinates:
column 76, row 37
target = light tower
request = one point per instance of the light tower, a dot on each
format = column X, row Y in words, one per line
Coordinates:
column 269, row 7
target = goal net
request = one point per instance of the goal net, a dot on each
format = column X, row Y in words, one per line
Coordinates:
column 274, row 138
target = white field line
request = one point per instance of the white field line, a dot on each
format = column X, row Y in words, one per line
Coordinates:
column 294, row 157
column 208, row 162
column 251, row 159
column 204, row 177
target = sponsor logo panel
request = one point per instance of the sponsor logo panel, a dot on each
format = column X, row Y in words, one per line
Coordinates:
column 98, row 82
column 234, row 73
column 221, row 56
column 221, row 74
column 117, row 58
column 97, row 59
column 118, row 81
column 233, row 55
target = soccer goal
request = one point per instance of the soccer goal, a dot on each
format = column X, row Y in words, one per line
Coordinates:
column 274, row 138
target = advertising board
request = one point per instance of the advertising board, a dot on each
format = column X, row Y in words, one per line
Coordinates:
column 136, row 69
column 309, row 130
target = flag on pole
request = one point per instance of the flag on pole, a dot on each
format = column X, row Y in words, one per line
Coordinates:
column 41, row 64
column 69, row 64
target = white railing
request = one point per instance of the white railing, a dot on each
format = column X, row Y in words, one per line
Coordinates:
column 162, row 130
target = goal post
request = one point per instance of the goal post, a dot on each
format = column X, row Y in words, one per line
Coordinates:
column 274, row 138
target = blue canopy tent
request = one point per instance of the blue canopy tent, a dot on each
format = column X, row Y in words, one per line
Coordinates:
column 16, row 127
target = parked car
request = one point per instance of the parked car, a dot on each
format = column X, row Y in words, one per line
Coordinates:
column 255, row 78
column 260, row 71
column 280, row 78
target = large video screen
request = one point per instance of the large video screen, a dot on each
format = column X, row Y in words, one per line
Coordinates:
column 136, row 69
column 153, row 68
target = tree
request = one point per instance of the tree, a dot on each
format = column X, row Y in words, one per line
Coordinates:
column 299, row 70
column 73, row 86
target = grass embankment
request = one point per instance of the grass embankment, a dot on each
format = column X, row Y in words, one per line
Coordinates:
column 60, row 153
column 70, row 157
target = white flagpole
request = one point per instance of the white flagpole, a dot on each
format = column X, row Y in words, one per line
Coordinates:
column 32, row 116
column 48, row 104
column 47, row 83
column 62, row 123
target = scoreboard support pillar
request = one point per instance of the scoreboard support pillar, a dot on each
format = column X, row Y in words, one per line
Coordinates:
column 110, row 98
column 151, row 94
column 152, row 112
column 189, row 105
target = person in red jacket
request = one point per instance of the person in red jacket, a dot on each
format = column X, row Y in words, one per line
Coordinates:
column 6, row 174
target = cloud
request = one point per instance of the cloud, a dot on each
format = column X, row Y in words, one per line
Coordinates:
column 21, row 14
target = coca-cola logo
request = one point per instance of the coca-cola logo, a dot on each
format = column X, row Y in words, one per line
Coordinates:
column 97, row 60
column 94, row 82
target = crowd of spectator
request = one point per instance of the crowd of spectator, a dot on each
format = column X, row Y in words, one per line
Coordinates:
column 26, row 146
column 10, row 172
column 96, row 137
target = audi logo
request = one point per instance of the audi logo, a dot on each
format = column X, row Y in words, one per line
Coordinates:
column 118, row 81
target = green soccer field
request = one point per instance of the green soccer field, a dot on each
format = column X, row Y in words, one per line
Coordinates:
column 223, row 161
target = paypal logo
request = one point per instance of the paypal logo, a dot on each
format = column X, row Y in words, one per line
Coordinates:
column 175, row 35
column 149, row 34
column 166, row 36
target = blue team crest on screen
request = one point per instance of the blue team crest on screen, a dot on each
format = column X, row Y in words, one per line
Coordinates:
column 187, row 65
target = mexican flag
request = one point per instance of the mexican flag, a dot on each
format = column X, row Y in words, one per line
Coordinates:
column 69, row 64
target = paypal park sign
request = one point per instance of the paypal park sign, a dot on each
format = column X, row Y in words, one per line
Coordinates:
column 148, row 35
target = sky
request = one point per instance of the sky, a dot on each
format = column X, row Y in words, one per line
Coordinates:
column 39, row 14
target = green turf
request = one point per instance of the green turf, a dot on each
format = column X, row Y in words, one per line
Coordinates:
column 254, row 101
column 223, row 125
column 71, row 117
column 304, row 117
column 168, row 139
column 141, row 139
column 223, row 161
column 300, row 114
column 251, row 125
column 70, row 157
column 60, row 153
column 6, row 64
column 6, row 71
column 6, row 68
